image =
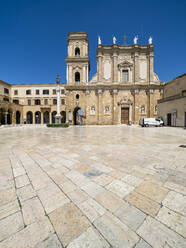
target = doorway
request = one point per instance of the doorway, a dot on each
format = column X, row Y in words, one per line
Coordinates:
column 29, row 118
column 46, row 117
column 38, row 117
column 169, row 118
column 124, row 115
column 76, row 117
column 18, row 117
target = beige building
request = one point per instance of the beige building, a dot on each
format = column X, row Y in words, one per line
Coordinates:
column 172, row 107
column 124, row 89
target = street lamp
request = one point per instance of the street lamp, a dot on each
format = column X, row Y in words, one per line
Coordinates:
column 58, row 115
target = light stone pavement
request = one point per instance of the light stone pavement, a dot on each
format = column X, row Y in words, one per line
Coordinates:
column 92, row 186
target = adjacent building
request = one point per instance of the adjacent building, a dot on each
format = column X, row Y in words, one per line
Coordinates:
column 124, row 89
column 172, row 107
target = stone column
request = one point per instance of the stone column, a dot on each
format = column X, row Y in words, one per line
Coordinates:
column 6, row 118
column 136, row 68
column 114, row 106
column 133, row 93
column 99, row 106
column 67, row 74
column 148, row 103
column 58, row 115
column 42, row 117
column 99, row 67
column 151, row 58
column 114, row 70
column 50, row 117
column 87, row 74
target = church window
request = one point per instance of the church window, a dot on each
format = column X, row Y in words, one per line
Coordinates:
column 77, row 52
column 28, row 92
column 142, row 109
column 107, row 110
column 77, row 78
column 125, row 75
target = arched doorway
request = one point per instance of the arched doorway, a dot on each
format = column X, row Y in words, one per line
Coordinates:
column 63, row 117
column 29, row 118
column 18, row 117
column 38, row 117
column 2, row 119
column 53, row 116
column 46, row 117
column 76, row 117
column 9, row 117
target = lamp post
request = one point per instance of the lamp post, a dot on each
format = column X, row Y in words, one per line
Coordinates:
column 58, row 115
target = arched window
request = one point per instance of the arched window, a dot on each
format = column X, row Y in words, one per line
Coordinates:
column 77, row 78
column 142, row 109
column 77, row 96
column 77, row 52
column 107, row 110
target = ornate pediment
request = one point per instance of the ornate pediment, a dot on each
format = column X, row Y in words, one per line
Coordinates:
column 125, row 64
column 125, row 101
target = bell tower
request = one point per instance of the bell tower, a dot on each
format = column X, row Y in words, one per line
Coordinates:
column 77, row 61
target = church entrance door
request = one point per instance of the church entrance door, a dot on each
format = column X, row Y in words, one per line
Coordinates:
column 169, row 117
column 124, row 115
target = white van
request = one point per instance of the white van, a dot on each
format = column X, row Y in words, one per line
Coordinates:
column 146, row 122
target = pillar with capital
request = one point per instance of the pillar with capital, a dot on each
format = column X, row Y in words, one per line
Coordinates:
column 114, row 106
column 99, row 105
column 58, row 115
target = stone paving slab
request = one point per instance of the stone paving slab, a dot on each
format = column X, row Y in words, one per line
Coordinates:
column 90, row 238
column 158, row 235
column 68, row 222
column 93, row 186
column 117, row 233
column 176, row 202
column 10, row 225
column 173, row 220
column 143, row 203
column 30, row 236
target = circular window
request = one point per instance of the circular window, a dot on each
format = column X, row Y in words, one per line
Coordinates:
column 77, row 96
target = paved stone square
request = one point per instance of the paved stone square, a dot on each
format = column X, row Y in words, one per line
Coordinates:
column 92, row 186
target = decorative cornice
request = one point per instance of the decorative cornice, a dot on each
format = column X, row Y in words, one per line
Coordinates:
column 125, row 64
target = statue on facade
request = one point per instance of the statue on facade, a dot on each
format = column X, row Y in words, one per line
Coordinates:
column 114, row 40
column 99, row 40
column 135, row 40
column 150, row 40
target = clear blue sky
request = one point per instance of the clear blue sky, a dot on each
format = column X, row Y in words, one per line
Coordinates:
column 33, row 34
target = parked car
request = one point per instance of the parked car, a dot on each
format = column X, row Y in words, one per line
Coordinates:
column 146, row 122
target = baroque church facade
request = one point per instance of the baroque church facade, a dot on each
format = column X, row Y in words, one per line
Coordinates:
column 124, row 89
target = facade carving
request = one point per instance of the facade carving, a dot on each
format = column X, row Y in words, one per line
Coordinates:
column 124, row 83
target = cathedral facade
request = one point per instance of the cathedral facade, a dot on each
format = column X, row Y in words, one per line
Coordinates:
column 124, row 89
